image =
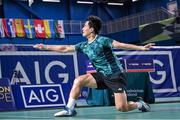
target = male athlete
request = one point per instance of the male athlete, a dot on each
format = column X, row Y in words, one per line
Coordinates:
column 99, row 50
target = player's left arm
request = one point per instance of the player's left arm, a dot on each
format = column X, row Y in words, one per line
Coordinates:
column 120, row 45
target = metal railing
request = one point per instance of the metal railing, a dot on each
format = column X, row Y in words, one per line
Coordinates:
column 134, row 21
column 121, row 24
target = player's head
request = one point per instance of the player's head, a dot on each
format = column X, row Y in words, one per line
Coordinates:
column 92, row 25
column 95, row 23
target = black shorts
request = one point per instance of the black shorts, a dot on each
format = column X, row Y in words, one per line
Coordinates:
column 115, row 82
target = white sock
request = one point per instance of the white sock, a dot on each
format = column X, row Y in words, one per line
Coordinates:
column 71, row 103
column 139, row 105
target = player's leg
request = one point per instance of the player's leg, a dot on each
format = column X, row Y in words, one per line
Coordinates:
column 117, row 84
column 86, row 80
column 123, row 105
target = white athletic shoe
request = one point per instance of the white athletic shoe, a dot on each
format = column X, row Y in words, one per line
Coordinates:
column 65, row 113
column 145, row 107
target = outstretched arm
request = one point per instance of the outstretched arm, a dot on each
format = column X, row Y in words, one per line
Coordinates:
column 57, row 48
column 120, row 45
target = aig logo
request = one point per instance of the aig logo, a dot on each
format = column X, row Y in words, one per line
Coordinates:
column 42, row 95
column 34, row 67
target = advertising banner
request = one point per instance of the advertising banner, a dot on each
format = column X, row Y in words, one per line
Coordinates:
column 43, row 78
column 165, row 79
column 6, row 98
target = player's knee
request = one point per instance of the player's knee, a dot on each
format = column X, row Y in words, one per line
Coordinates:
column 122, row 108
column 78, row 82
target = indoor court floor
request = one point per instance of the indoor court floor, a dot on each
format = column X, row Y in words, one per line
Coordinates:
column 167, row 111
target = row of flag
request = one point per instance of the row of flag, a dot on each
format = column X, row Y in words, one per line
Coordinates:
column 31, row 28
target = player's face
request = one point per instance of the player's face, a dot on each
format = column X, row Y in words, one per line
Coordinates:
column 86, row 31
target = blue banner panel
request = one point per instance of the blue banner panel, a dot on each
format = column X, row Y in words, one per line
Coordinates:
column 38, row 68
column 6, row 98
column 165, row 78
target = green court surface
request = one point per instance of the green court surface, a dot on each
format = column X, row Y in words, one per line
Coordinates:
column 167, row 111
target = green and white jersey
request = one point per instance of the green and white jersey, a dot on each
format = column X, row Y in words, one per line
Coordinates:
column 101, row 55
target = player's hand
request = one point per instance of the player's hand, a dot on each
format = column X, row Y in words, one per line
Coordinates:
column 148, row 46
column 39, row 46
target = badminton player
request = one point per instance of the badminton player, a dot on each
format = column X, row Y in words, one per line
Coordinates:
column 99, row 50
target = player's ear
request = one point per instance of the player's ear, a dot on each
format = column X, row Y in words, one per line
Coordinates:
column 91, row 29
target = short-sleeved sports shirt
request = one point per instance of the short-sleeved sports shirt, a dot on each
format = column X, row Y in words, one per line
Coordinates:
column 100, row 53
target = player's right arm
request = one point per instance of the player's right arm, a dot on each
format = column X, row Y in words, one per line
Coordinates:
column 57, row 48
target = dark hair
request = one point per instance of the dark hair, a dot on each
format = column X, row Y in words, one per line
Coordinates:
column 95, row 22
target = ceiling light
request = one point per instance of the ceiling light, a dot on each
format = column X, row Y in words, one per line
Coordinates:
column 51, row 0
column 134, row 0
column 115, row 3
column 84, row 2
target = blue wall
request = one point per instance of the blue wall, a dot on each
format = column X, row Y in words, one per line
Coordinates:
column 128, row 36
column 70, row 10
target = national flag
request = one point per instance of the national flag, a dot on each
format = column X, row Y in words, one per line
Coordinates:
column 39, row 28
column 59, row 29
column 9, row 28
column 1, row 29
column 29, row 28
column 49, row 28
column 19, row 27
